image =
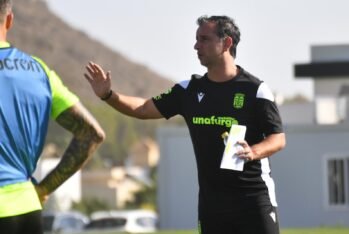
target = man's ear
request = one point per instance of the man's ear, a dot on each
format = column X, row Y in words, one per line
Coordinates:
column 9, row 20
column 227, row 43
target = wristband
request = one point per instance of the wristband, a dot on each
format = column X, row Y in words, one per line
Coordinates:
column 106, row 97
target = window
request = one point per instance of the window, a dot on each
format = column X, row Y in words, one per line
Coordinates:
column 338, row 181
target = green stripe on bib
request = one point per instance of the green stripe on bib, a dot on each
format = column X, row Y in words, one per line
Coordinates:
column 17, row 199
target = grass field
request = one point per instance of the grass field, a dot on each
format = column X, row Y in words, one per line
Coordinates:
column 339, row 230
column 285, row 231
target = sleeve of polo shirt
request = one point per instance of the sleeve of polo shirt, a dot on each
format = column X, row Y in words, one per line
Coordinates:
column 267, row 110
column 169, row 103
column 62, row 97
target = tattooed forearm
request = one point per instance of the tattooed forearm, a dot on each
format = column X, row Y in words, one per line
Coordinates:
column 87, row 135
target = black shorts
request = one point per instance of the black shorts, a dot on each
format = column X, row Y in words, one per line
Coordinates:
column 30, row 223
column 262, row 220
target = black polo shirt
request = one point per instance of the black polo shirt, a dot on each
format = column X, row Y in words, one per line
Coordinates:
column 209, row 109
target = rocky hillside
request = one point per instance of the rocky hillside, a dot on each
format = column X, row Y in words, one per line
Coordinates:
column 67, row 50
column 38, row 31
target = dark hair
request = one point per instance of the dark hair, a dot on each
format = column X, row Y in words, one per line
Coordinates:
column 225, row 27
column 5, row 6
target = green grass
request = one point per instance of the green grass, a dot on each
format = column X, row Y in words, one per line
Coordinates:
column 285, row 231
column 334, row 230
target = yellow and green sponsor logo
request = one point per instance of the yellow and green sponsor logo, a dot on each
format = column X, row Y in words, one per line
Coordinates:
column 239, row 99
column 225, row 121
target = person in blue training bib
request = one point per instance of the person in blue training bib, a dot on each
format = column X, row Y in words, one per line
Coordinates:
column 31, row 94
column 230, row 201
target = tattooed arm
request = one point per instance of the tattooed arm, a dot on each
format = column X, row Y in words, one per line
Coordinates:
column 87, row 136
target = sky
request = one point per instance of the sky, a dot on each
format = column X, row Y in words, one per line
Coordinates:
column 160, row 34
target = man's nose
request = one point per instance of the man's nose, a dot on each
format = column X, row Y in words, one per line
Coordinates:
column 196, row 46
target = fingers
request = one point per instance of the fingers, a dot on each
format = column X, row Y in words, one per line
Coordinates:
column 95, row 72
column 98, row 69
column 90, row 75
column 243, row 143
column 246, row 156
column 108, row 76
column 245, row 151
column 88, row 78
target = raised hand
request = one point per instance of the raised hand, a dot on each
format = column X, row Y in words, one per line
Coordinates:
column 98, row 79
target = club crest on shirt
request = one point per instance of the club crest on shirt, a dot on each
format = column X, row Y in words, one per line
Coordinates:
column 239, row 100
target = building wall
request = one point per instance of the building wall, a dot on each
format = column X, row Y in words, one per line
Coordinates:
column 298, row 170
column 326, row 53
column 329, row 87
column 177, row 180
column 300, row 175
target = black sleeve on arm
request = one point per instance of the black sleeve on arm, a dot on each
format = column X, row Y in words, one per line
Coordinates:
column 269, row 117
column 169, row 103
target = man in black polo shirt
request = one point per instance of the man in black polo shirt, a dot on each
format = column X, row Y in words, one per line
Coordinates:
column 230, row 201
